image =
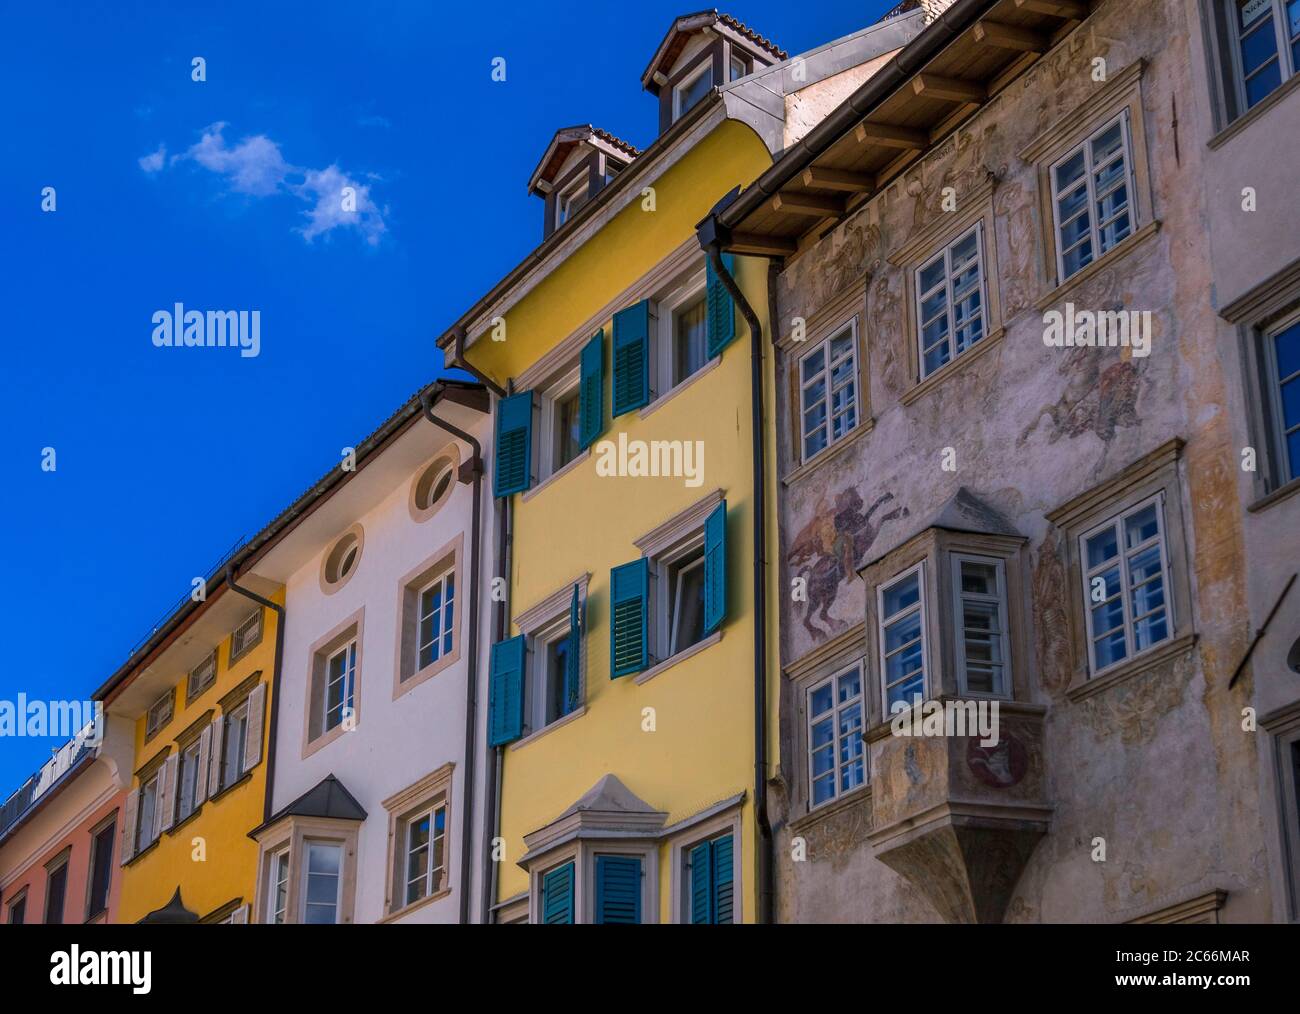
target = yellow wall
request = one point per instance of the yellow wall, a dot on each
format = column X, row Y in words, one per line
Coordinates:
column 229, row 869
column 702, row 749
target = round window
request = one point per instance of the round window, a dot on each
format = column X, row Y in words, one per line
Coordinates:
column 341, row 560
column 434, row 484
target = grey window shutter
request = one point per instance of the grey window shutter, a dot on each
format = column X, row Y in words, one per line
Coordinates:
column 160, row 783
column 214, row 759
column 253, row 738
column 167, row 794
column 132, row 811
column 205, row 752
column 239, row 916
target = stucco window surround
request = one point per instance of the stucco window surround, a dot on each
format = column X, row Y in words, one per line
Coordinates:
column 291, row 836
column 160, row 714
column 583, row 856
column 144, row 809
column 672, row 548
column 1153, row 479
column 1223, row 31
column 103, row 835
column 237, row 735
column 826, row 662
column 445, row 569
column 544, row 624
column 433, row 484
column 555, row 404
column 936, row 555
column 1283, row 728
column 193, row 746
column 425, row 797
column 247, row 636
column 57, row 871
column 720, row 819
column 16, row 908
column 340, row 561
column 670, row 303
column 1262, row 316
column 929, row 248
column 1117, row 99
column 347, row 636
column 201, row 677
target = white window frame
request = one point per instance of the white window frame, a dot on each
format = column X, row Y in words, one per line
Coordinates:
column 194, row 691
column 737, row 61
column 536, row 690
column 278, row 876
column 1090, row 184
column 338, row 846
column 349, row 680
column 680, row 89
column 1287, row 470
column 1116, row 521
column 836, row 707
column 950, row 337
column 191, row 751
column 151, row 728
column 664, row 606
column 546, row 424
column 238, row 712
column 579, row 185
column 431, row 885
column 828, row 398
column 883, row 621
column 445, row 627
column 246, row 635
column 663, row 316
column 1002, row 690
column 141, row 828
column 1285, row 60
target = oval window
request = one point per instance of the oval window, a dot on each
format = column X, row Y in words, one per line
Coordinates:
column 341, row 560
column 434, row 485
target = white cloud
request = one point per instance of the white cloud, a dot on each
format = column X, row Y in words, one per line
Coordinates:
column 256, row 167
column 154, row 162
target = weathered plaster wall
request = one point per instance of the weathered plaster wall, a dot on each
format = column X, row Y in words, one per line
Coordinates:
column 1158, row 765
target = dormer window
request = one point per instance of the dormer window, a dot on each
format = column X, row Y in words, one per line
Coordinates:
column 693, row 88
column 739, row 67
column 570, row 199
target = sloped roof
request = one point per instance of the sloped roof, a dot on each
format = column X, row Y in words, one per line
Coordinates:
column 568, row 138
column 328, row 798
column 174, row 913
column 681, row 30
column 609, row 795
column 961, row 512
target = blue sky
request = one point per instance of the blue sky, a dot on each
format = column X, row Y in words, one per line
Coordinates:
column 208, row 193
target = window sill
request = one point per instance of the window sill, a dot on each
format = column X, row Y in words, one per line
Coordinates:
column 326, row 738
column 143, row 852
column 246, row 776
column 1106, row 260
column 655, row 405
column 1284, row 492
column 825, row 455
column 681, row 656
column 568, row 467
column 1246, row 119
column 194, row 813
column 572, row 716
column 414, row 906
column 859, row 796
column 1134, row 667
column 952, row 369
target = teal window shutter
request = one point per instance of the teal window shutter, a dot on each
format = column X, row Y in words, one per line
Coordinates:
column 702, row 883
column 722, row 311
column 506, row 692
column 591, row 388
column 715, row 568
column 722, row 876
column 514, row 444
column 557, row 896
column 629, row 650
column 632, row 358
column 573, row 657
column 618, row 889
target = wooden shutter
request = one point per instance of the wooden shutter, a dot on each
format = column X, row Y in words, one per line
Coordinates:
column 702, row 882
column 629, row 604
column 130, row 814
column 253, row 737
column 506, row 691
column 591, row 405
column 573, row 658
column 166, row 805
column 239, row 916
column 715, row 568
column 214, row 760
column 632, row 358
column 201, row 778
column 618, row 889
column 722, row 875
column 557, row 896
column 722, row 310
column 514, row 444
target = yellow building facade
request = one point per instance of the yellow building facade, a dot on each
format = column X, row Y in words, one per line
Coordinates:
column 201, row 706
column 626, row 801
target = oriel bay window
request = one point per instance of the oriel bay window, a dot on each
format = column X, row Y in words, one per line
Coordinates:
column 307, row 858
column 947, row 617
